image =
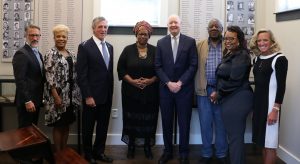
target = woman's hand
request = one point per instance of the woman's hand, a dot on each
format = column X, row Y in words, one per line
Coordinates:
column 273, row 115
column 57, row 102
column 137, row 83
column 214, row 97
column 57, row 99
column 147, row 81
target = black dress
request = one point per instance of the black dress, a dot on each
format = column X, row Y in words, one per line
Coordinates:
column 270, row 79
column 140, row 106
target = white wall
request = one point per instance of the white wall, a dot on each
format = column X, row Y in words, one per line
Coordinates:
column 287, row 34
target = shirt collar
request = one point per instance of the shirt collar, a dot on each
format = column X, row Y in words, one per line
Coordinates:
column 177, row 36
column 219, row 42
column 97, row 40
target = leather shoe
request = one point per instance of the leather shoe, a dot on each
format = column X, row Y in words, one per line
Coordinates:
column 165, row 158
column 90, row 160
column 148, row 152
column 184, row 160
column 130, row 152
column 103, row 158
column 205, row 160
column 222, row 160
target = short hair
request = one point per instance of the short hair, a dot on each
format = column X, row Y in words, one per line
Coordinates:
column 60, row 28
column 31, row 26
column 144, row 24
column 96, row 20
column 176, row 16
column 240, row 36
column 253, row 43
column 218, row 22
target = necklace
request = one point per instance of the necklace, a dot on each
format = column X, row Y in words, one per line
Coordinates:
column 142, row 52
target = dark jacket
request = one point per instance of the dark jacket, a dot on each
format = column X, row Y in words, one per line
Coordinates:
column 233, row 73
column 28, row 76
column 94, row 78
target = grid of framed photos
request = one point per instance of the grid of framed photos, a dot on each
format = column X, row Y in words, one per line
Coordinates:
column 242, row 14
column 16, row 15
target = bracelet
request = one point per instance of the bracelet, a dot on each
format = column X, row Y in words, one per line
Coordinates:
column 276, row 108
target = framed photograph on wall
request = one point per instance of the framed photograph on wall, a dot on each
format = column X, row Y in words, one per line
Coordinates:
column 16, row 15
column 242, row 14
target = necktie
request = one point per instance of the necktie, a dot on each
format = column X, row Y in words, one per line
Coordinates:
column 37, row 55
column 105, row 54
column 175, row 47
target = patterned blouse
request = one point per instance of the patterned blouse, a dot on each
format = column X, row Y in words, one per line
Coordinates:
column 57, row 74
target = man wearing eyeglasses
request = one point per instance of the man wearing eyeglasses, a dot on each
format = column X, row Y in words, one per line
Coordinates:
column 209, row 56
column 29, row 77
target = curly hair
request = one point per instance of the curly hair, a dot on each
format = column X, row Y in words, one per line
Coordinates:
column 253, row 43
column 60, row 28
column 240, row 36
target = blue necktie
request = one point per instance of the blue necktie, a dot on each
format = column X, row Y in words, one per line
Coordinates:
column 105, row 54
column 37, row 55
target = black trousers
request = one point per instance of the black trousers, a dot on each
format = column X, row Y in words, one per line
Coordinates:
column 100, row 115
column 27, row 118
column 235, row 110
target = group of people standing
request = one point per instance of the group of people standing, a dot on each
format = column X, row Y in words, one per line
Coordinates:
column 166, row 76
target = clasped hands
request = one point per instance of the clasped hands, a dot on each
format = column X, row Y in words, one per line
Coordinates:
column 174, row 86
column 141, row 82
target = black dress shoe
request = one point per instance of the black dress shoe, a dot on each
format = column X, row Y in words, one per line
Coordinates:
column 165, row 158
column 184, row 160
column 222, row 160
column 205, row 160
column 103, row 158
column 90, row 160
column 130, row 152
column 148, row 152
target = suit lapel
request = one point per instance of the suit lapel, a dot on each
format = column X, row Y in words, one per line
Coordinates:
column 95, row 48
column 168, row 45
column 180, row 46
column 110, row 50
column 33, row 57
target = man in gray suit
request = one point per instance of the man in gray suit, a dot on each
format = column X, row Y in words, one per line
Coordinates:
column 29, row 76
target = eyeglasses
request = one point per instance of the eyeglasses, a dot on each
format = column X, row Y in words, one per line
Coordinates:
column 34, row 35
column 229, row 38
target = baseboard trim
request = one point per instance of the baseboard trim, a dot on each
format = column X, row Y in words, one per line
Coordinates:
column 115, row 139
column 287, row 156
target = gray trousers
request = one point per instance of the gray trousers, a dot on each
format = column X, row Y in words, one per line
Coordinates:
column 235, row 109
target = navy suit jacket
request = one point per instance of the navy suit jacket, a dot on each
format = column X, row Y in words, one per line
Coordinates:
column 29, row 77
column 183, row 69
column 94, row 78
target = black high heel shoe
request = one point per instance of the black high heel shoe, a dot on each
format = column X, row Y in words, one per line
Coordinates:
column 148, row 152
column 130, row 152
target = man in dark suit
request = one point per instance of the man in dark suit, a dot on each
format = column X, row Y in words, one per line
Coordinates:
column 176, row 64
column 95, row 78
column 28, row 71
